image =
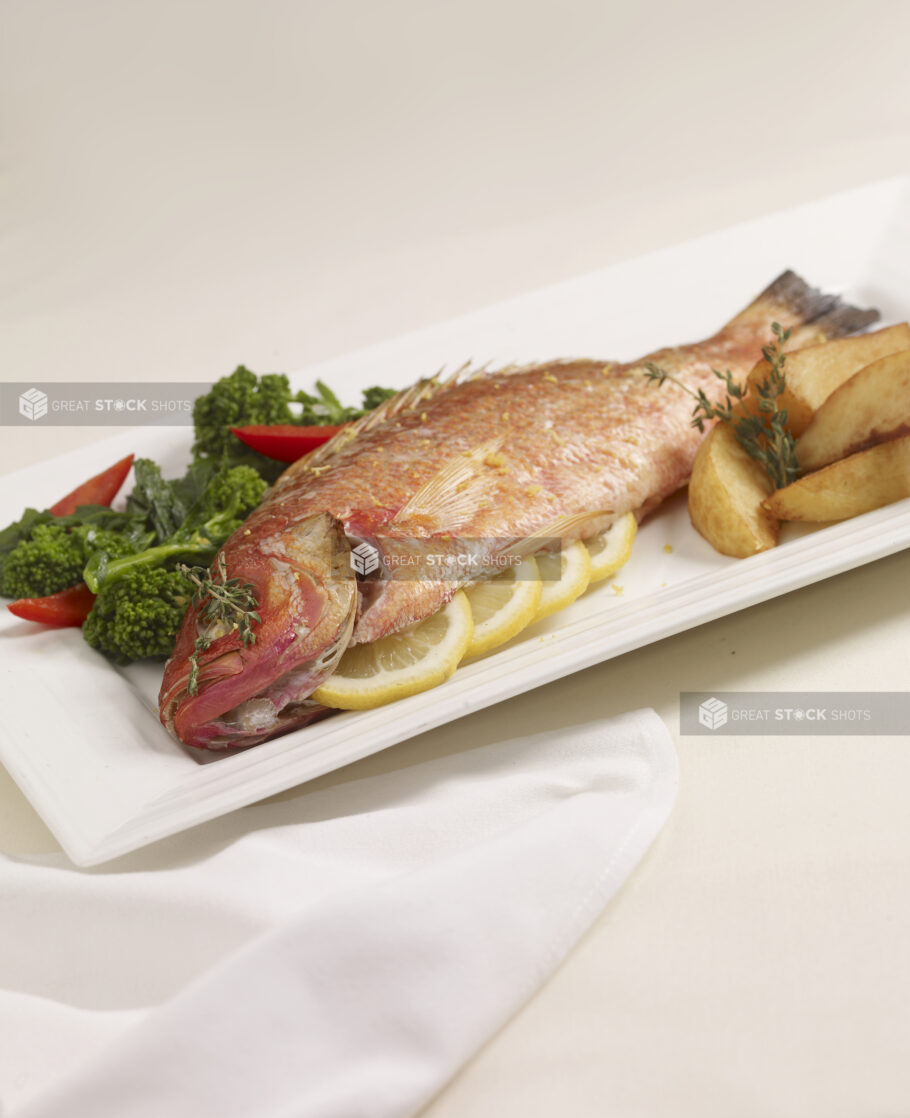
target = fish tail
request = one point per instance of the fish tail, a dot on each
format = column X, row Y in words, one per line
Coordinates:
column 811, row 315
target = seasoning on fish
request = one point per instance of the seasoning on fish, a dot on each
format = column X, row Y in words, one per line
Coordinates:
column 483, row 463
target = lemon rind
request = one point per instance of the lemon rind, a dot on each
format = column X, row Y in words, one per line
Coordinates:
column 409, row 681
column 626, row 528
column 567, row 589
column 484, row 642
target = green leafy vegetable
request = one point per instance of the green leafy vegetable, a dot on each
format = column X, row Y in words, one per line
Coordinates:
column 325, row 409
column 228, row 497
column 156, row 500
column 373, row 397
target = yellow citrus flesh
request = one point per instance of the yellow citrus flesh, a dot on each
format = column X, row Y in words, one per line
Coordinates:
column 503, row 606
column 417, row 658
column 611, row 550
column 563, row 577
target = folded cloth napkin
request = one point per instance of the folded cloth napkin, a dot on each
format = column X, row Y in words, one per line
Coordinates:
column 336, row 954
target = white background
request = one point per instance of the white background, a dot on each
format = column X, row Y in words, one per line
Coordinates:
column 190, row 185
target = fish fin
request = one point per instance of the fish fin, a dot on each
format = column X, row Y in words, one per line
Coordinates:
column 388, row 409
column 409, row 398
column 424, row 389
column 453, row 493
column 814, row 311
column 557, row 364
column 418, row 393
column 574, row 526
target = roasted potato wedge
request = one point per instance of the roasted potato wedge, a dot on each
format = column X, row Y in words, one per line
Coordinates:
column 864, row 481
column 871, row 407
column 813, row 373
column 725, row 497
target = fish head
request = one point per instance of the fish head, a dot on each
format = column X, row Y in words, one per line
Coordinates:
column 306, row 589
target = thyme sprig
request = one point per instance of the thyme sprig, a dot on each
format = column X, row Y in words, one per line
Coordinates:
column 764, row 437
column 228, row 605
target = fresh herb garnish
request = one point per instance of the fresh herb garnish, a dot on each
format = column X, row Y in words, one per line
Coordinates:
column 228, row 605
column 764, row 437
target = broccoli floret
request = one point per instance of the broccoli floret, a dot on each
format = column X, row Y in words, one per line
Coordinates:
column 242, row 399
column 236, row 401
column 54, row 554
column 41, row 554
column 105, row 539
column 229, row 499
column 50, row 560
column 21, row 529
column 136, row 616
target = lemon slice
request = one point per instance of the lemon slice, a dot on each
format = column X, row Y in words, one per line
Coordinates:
column 402, row 664
column 503, row 606
column 563, row 577
column 611, row 550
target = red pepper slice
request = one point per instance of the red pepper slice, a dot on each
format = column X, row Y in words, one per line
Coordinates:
column 66, row 608
column 285, row 442
column 98, row 490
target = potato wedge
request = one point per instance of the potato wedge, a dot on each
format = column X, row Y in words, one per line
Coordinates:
column 864, row 481
column 726, row 491
column 812, row 374
column 871, row 407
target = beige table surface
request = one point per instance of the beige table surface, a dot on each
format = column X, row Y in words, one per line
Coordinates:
column 187, row 185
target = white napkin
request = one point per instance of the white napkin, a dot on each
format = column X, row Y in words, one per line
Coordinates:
column 334, row 955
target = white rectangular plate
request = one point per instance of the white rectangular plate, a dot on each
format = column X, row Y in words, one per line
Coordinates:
column 82, row 739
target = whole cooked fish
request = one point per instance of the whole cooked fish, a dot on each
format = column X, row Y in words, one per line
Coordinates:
column 512, row 457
